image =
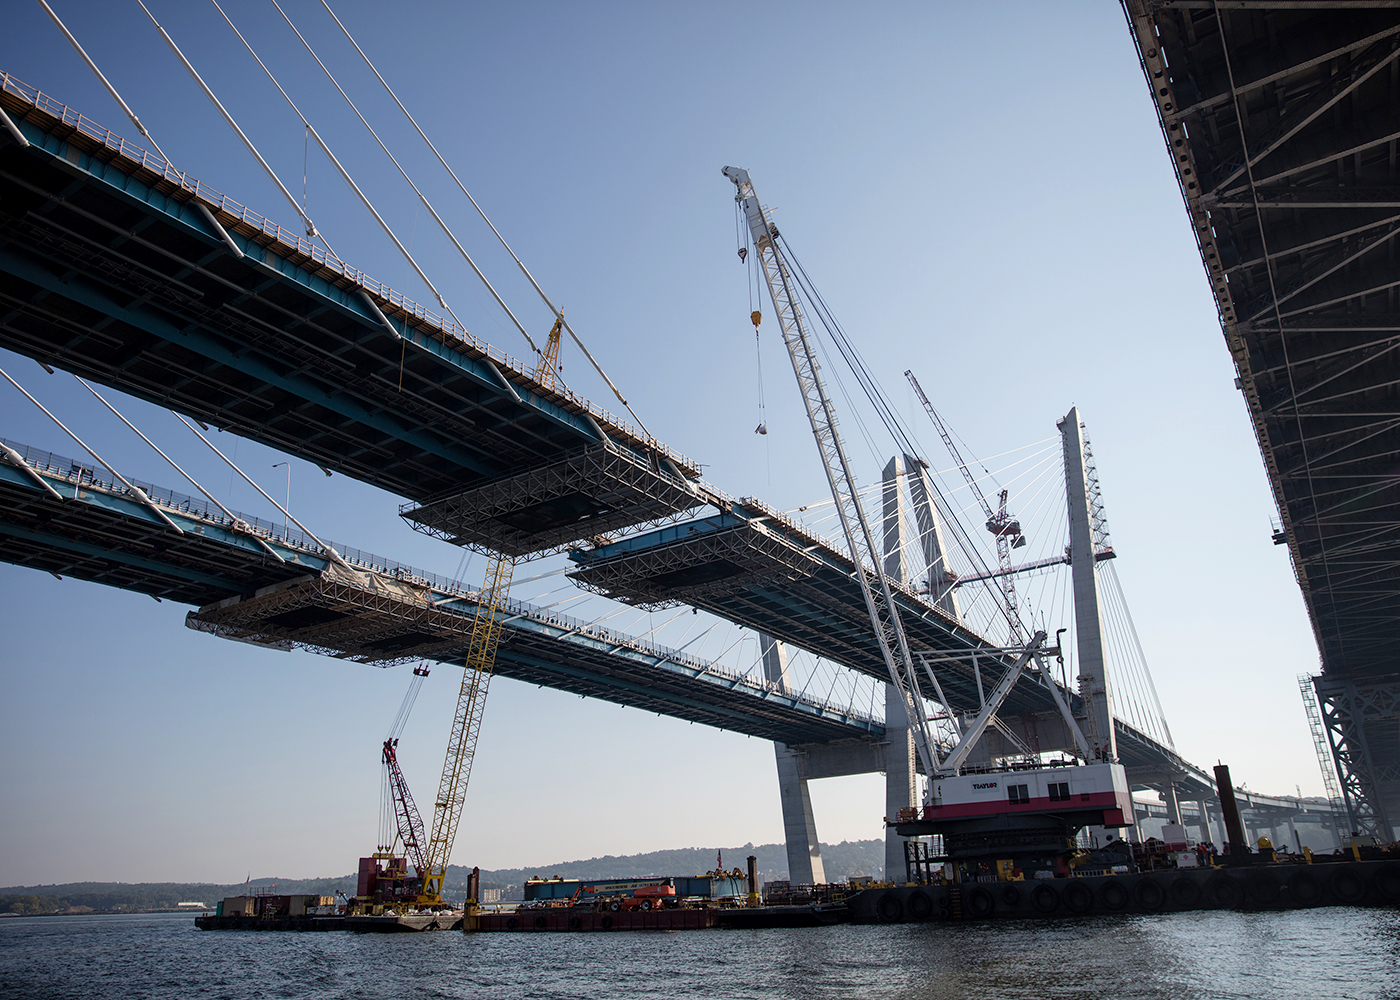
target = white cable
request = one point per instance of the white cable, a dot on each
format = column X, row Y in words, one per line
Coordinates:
column 343, row 172
column 332, row 553
column 421, row 197
column 306, row 219
column 105, row 82
column 558, row 314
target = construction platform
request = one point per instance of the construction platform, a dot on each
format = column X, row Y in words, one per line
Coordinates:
column 753, row 565
column 563, row 919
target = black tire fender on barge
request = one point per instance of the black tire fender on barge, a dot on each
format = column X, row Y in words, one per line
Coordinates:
column 980, row 903
column 1304, row 890
column 606, row 922
column 540, row 922
column 1011, row 895
column 1113, row 894
column 1186, row 893
column 512, row 923
column 1387, row 883
column 1149, row 894
column 1078, row 898
column 1045, row 898
column 1347, row 885
column 1264, row 889
column 889, row 909
column 1225, row 892
column 575, row 923
column 920, row 906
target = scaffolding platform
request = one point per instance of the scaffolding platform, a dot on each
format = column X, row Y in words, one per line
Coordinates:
column 586, row 494
column 753, row 565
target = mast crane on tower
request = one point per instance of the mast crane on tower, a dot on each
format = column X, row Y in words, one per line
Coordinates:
column 1003, row 525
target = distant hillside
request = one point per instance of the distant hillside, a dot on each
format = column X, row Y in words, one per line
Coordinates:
column 853, row 857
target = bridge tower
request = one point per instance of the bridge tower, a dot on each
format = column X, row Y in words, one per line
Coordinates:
column 901, row 773
column 1088, row 623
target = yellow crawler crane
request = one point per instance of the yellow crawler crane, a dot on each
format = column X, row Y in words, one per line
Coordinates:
column 466, row 725
column 471, row 698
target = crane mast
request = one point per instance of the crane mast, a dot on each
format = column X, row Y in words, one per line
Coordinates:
column 406, row 816
column 879, row 601
column 1000, row 522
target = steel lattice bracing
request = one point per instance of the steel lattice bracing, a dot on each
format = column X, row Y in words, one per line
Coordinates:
column 1361, row 720
column 111, row 268
column 1282, row 120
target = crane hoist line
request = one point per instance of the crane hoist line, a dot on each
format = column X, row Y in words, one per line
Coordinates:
column 874, row 584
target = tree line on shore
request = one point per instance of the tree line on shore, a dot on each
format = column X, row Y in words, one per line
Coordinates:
column 857, row 857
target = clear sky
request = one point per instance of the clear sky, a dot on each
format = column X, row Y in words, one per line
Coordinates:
column 980, row 192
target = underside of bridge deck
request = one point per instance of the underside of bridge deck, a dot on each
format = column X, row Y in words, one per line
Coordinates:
column 1282, row 121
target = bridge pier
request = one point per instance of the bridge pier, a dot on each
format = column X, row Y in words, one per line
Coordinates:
column 799, row 825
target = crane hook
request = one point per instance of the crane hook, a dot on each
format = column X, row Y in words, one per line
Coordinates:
column 756, row 317
column 743, row 253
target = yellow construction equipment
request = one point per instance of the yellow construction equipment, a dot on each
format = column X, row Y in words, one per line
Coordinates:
column 471, row 697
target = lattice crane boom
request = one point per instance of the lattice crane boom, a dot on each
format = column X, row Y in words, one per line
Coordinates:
column 466, row 724
column 1000, row 521
column 874, row 584
column 409, row 821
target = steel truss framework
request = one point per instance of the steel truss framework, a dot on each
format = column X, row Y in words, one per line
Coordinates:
column 1362, row 722
column 590, row 492
column 1282, row 120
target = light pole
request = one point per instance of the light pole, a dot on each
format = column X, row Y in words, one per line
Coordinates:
column 288, row 507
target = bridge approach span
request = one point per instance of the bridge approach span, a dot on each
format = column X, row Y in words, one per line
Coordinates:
column 367, row 608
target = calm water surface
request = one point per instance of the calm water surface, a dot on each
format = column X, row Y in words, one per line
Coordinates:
column 1322, row 954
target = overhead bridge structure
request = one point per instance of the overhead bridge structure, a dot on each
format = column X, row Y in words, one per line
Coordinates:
column 120, row 268
column 753, row 565
column 263, row 583
column 1282, row 121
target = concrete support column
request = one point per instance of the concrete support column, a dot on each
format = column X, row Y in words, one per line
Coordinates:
column 901, row 779
column 1294, row 842
column 1173, row 805
column 799, row 825
column 1205, row 820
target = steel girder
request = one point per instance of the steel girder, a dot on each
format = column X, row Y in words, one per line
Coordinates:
column 109, row 268
column 1362, row 723
column 1282, row 122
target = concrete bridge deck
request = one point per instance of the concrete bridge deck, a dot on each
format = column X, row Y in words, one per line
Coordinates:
column 256, row 581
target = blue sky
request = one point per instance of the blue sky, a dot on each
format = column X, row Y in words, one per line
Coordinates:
column 979, row 191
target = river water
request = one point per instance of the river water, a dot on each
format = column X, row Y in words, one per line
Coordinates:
column 1330, row 953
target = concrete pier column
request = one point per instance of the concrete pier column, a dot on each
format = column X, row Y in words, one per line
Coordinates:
column 799, row 825
column 1294, row 843
column 1205, row 820
column 901, row 779
column 1172, row 804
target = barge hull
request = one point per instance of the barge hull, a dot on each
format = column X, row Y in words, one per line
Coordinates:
column 1251, row 887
